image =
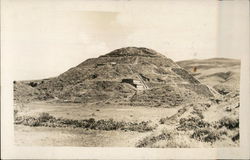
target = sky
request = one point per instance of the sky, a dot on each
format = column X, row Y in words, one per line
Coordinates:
column 42, row 39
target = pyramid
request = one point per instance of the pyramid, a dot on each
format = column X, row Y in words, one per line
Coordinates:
column 131, row 75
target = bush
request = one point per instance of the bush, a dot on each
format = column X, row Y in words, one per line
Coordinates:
column 139, row 127
column 30, row 121
column 47, row 120
column 228, row 122
column 236, row 137
column 192, row 123
column 207, row 134
column 150, row 140
column 198, row 112
column 163, row 120
column 18, row 120
column 44, row 117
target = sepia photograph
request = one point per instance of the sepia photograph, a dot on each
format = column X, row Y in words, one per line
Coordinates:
column 125, row 74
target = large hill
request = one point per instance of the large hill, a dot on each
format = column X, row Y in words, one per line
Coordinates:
column 132, row 75
column 223, row 74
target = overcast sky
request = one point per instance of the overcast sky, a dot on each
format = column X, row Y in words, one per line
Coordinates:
column 44, row 38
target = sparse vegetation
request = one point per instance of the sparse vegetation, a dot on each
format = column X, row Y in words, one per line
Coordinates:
column 192, row 123
column 31, row 121
column 236, row 137
column 198, row 112
column 168, row 139
column 228, row 122
column 150, row 140
column 163, row 120
column 208, row 134
column 44, row 119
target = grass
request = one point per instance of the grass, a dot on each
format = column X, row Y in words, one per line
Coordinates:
column 163, row 120
column 236, row 137
column 198, row 112
column 191, row 131
column 46, row 120
column 168, row 139
column 192, row 123
column 228, row 122
column 208, row 134
column 150, row 140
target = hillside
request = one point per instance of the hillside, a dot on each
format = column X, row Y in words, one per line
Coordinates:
column 131, row 75
column 221, row 73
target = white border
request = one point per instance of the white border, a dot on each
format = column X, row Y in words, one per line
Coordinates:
column 9, row 150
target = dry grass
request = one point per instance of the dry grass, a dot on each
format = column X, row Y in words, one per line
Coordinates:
column 228, row 122
column 150, row 140
column 193, row 131
column 169, row 138
column 192, row 123
column 208, row 134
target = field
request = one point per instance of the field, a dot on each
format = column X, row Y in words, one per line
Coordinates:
column 46, row 136
column 165, row 132
column 116, row 112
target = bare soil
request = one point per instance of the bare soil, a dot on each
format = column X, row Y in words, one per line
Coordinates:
column 44, row 136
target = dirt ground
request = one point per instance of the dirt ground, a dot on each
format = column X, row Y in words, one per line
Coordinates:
column 45, row 136
column 116, row 112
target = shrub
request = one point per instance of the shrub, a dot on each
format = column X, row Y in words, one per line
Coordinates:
column 228, row 122
column 44, row 117
column 192, row 123
column 31, row 121
column 163, row 120
column 207, row 134
column 150, row 140
column 46, row 120
column 18, row 120
column 198, row 112
column 139, row 127
column 236, row 137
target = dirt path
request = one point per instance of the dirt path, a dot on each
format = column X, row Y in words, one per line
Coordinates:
column 143, row 83
column 136, row 60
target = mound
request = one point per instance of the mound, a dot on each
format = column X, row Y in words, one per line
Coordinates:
column 133, row 51
column 128, row 75
column 27, row 92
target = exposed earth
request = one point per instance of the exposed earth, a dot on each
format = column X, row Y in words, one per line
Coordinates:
column 132, row 97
